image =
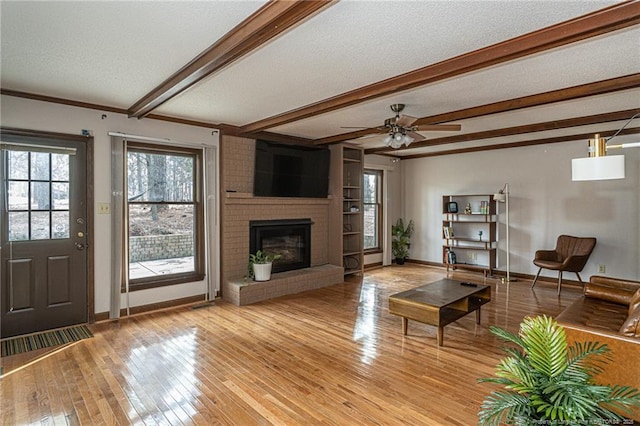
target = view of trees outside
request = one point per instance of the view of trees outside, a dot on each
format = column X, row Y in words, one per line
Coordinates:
column 371, row 208
column 38, row 195
column 160, row 197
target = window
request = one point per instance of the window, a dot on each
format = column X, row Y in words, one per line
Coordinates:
column 165, row 215
column 38, row 194
column 372, row 210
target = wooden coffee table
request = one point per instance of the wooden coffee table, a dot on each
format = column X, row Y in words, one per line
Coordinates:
column 439, row 303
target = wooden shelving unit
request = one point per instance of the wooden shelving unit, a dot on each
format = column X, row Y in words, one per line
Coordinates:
column 470, row 235
column 347, row 174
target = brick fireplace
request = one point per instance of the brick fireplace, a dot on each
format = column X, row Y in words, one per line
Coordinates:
column 240, row 207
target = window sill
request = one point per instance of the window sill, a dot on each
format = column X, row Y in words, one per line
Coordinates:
column 154, row 282
column 372, row 251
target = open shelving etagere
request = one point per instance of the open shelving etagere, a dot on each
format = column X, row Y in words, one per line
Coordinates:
column 461, row 232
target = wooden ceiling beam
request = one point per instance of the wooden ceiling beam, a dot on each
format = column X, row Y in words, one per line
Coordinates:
column 517, row 130
column 225, row 129
column 544, row 141
column 271, row 20
column 593, row 24
column 584, row 90
column 616, row 84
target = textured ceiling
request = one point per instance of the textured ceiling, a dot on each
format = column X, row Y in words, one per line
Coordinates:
column 113, row 53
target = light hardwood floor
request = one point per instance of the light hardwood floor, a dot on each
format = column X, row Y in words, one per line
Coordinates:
column 328, row 356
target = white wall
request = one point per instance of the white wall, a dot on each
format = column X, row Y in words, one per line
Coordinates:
column 544, row 203
column 35, row 115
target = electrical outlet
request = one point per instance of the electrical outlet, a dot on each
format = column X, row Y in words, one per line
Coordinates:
column 104, row 208
column 602, row 268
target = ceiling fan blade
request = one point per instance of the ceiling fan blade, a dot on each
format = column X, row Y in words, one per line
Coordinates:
column 367, row 130
column 439, row 127
column 416, row 136
column 405, row 120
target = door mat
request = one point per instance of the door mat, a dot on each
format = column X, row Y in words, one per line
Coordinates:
column 17, row 345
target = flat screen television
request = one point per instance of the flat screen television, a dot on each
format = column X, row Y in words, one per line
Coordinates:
column 290, row 170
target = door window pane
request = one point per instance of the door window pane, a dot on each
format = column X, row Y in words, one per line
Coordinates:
column 18, row 164
column 40, row 199
column 60, row 196
column 60, row 224
column 18, row 226
column 60, row 167
column 40, row 166
column 40, row 226
column 18, row 196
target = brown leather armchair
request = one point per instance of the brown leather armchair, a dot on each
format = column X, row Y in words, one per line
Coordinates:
column 570, row 254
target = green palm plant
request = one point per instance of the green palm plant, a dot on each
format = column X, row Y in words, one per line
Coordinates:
column 401, row 240
column 549, row 382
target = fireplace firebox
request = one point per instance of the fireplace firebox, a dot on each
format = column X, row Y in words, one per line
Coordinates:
column 290, row 238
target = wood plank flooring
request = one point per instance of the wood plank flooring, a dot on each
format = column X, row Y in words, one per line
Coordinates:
column 331, row 356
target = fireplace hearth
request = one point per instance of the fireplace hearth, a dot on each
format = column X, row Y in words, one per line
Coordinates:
column 290, row 238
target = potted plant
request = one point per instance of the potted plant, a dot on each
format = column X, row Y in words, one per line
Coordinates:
column 401, row 240
column 260, row 265
column 549, row 382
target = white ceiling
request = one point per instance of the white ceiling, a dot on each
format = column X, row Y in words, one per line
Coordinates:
column 113, row 53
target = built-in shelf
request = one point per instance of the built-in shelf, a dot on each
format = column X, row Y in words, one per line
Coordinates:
column 346, row 187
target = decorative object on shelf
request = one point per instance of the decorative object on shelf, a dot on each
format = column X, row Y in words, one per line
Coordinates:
column 451, row 257
column 502, row 196
column 484, row 207
column 479, row 235
column 549, row 382
column 452, row 207
column 448, row 231
column 401, row 240
column 354, row 209
column 346, row 227
column 599, row 166
column 260, row 265
column 351, row 263
column 467, row 208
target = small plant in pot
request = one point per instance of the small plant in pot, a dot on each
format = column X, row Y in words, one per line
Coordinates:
column 260, row 265
column 401, row 240
column 548, row 382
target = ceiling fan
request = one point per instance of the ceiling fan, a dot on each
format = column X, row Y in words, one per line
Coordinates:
column 400, row 131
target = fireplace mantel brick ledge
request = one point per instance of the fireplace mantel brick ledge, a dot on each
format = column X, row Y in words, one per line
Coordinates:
column 245, row 291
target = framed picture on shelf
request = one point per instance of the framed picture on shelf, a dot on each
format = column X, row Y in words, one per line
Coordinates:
column 448, row 231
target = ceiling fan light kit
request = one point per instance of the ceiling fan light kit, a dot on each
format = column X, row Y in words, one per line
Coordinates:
column 396, row 139
column 398, row 127
column 401, row 131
